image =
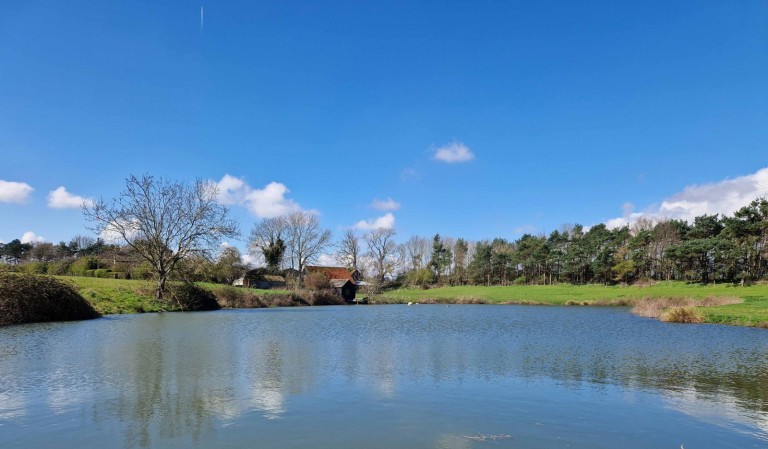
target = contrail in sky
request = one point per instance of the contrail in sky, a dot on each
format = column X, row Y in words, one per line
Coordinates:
column 201, row 19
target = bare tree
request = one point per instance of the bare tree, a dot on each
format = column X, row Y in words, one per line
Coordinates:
column 418, row 250
column 81, row 242
column 306, row 240
column 381, row 247
column 268, row 238
column 164, row 221
column 349, row 249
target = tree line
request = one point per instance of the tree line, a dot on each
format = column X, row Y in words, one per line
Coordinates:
column 713, row 248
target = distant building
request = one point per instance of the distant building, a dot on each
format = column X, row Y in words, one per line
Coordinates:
column 341, row 279
column 260, row 278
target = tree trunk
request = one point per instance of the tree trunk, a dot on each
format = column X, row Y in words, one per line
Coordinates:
column 160, row 287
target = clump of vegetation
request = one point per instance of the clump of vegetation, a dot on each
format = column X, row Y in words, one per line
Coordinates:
column 324, row 297
column 317, row 281
column 248, row 298
column 190, row 297
column 26, row 298
column 682, row 315
column 654, row 307
column 681, row 310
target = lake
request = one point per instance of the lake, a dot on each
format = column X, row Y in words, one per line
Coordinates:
column 422, row 376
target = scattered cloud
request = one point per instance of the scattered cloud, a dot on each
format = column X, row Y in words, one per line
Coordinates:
column 14, row 192
column 268, row 202
column 386, row 221
column 61, row 199
column 454, row 152
column 409, row 174
column 31, row 237
column 525, row 229
column 724, row 197
column 388, row 204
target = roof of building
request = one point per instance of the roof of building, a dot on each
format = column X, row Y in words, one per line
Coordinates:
column 263, row 275
column 339, row 283
column 333, row 273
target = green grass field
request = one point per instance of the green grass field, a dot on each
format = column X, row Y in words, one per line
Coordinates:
column 752, row 312
column 113, row 296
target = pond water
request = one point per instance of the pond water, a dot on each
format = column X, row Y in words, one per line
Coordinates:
column 425, row 376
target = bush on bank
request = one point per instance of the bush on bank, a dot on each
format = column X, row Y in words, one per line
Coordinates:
column 26, row 298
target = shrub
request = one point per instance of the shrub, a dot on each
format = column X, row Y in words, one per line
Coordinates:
column 190, row 297
column 324, row 298
column 83, row 265
column 103, row 273
column 8, row 268
column 420, row 278
column 59, row 268
column 317, row 281
column 233, row 297
column 35, row 267
column 142, row 271
column 26, row 298
column 682, row 315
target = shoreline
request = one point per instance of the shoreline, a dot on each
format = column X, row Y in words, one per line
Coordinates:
column 713, row 304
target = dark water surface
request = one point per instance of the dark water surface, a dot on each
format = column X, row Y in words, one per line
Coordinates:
column 424, row 376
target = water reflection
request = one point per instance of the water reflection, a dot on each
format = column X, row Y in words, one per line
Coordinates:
column 283, row 377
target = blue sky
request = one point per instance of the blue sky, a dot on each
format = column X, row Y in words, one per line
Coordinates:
column 475, row 119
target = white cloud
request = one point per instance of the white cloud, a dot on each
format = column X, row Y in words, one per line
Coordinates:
column 61, row 199
column 14, row 192
column 252, row 261
column 724, row 197
column 268, row 202
column 386, row 221
column 327, row 260
column 388, row 204
column 110, row 233
column 454, row 152
column 31, row 237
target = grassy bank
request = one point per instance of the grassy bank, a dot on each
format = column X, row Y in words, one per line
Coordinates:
column 114, row 296
column 753, row 311
column 117, row 296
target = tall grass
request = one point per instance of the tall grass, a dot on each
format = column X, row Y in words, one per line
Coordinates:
column 657, row 307
column 682, row 315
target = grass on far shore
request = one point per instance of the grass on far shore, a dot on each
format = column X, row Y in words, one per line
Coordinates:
column 118, row 296
column 753, row 311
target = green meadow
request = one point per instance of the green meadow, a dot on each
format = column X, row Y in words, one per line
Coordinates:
column 752, row 311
